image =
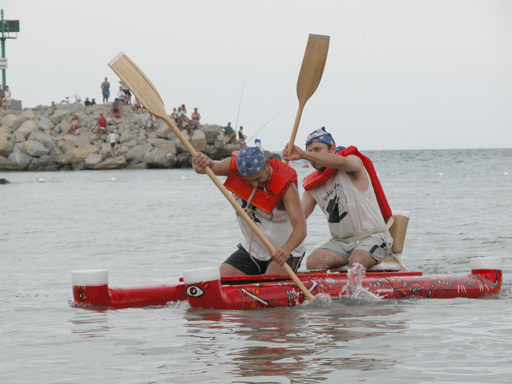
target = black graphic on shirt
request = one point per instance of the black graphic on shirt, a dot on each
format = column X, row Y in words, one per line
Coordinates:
column 333, row 209
column 251, row 211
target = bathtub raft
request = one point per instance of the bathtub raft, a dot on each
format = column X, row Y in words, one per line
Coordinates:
column 204, row 288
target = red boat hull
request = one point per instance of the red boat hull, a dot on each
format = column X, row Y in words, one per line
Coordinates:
column 205, row 288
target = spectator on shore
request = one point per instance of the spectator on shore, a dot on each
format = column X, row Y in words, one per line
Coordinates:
column 93, row 101
column 87, row 102
column 230, row 132
column 2, row 93
column 101, row 126
column 150, row 122
column 136, row 105
column 115, row 111
column 113, row 139
column 180, row 114
column 121, row 96
column 126, row 90
column 174, row 115
column 193, row 123
column 75, row 125
column 241, row 137
column 52, row 109
column 7, row 97
column 195, row 116
column 105, row 90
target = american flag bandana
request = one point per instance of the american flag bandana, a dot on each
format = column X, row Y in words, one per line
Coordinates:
column 250, row 160
column 320, row 136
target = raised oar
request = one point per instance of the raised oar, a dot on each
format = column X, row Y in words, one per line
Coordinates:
column 310, row 75
column 149, row 97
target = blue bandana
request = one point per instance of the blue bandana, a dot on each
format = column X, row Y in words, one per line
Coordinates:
column 250, row 160
column 320, row 136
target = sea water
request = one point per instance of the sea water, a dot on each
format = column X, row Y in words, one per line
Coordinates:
column 147, row 226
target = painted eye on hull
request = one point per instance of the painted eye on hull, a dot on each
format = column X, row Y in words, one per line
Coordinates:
column 194, row 291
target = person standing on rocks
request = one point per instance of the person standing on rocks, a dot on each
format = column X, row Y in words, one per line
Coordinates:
column 150, row 123
column 7, row 97
column 1, row 97
column 105, row 90
column 113, row 139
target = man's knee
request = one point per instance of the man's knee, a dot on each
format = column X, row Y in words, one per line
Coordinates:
column 324, row 259
column 363, row 258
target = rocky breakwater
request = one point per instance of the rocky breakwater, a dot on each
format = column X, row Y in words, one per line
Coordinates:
column 32, row 140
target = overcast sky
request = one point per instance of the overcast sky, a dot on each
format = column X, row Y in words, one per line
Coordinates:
column 400, row 74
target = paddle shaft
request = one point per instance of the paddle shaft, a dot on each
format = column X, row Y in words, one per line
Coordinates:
column 237, row 207
column 295, row 128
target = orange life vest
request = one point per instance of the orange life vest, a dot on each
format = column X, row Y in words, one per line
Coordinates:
column 317, row 178
column 266, row 200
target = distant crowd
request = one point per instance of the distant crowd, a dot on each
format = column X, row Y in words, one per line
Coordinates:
column 123, row 99
column 178, row 115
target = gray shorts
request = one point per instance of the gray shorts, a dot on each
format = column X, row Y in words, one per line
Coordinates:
column 374, row 245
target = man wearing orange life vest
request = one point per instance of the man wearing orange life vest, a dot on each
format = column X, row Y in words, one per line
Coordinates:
column 267, row 191
column 346, row 188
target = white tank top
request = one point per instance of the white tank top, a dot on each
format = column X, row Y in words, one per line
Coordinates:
column 349, row 211
column 276, row 227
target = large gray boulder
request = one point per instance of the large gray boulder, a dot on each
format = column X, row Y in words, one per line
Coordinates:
column 118, row 162
column 27, row 128
column 43, row 163
column 163, row 130
column 136, row 154
column 67, row 158
column 93, row 160
column 9, row 120
column 166, row 145
column 3, row 162
column 28, row 114
column 35, row 148
column 5, row 133
column 83, row 152
column 18, row 161
column 45, row 124
column 198, row 140
column 6, row 147
column 160, row 158
column 212, row 132
column 184, row 160
column 47, row 141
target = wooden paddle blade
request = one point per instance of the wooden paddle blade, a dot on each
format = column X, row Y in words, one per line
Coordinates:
column 310, row 74
column 139, row 84
column 312, row 67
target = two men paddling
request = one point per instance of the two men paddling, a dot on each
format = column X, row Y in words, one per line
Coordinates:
column 344, row 185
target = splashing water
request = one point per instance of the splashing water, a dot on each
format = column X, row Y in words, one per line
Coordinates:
column 354, row 285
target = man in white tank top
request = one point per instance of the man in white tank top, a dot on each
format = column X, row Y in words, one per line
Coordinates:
column 284, row 225
column 349, row 204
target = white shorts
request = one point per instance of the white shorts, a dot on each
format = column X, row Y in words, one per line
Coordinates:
column 374, row 245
